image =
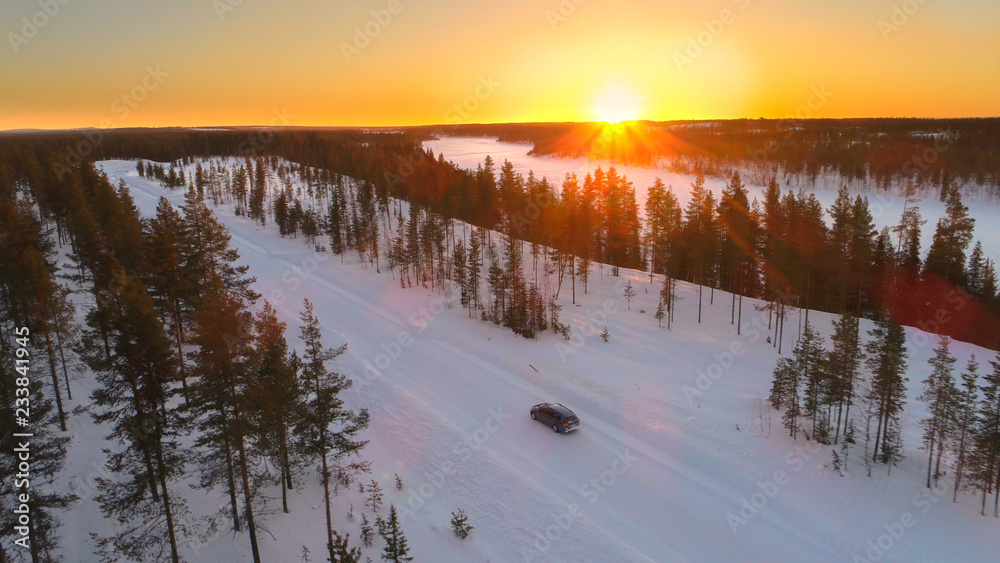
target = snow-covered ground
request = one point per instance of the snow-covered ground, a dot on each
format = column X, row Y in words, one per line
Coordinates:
column 886, row 208
column 667, row 466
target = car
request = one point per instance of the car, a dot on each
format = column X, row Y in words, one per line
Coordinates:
column 561, row 419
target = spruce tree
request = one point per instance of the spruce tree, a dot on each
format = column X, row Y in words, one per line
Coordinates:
column 341, row 550
column 396, row 549
column 460, row 524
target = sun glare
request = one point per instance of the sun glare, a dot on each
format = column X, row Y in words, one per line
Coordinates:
column 616, row 105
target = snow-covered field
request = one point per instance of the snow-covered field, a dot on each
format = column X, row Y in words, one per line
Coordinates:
column 666, row 467
column 886, row 208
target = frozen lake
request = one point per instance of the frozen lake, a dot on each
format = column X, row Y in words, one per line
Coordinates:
column 468, row 152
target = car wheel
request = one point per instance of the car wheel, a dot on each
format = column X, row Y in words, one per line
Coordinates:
column 533, row 417
column 555, row 428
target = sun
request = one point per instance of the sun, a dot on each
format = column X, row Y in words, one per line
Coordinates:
column 616, row 105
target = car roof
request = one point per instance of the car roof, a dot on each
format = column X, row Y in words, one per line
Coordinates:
column 560, row 408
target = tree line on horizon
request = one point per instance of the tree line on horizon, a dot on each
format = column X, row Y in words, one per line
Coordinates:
column 887, row 153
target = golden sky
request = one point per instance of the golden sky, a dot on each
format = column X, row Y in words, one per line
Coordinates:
column 125, row 63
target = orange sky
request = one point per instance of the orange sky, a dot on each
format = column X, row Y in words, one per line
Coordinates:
column 124, row 63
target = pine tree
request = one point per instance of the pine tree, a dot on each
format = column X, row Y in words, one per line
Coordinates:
column 274, row 395
column 629, row 294
column 396, row 549
column 241, row 190
column 886, row 361
column 861, row 250
column 976, row 270
column 48, row 456
column 208, row 260
column 841, row 232
column 223, row 359
column 946, row 257
column 908, row 251
column 374, row 500
column 460, row 272
column 173, row 290
column 986, row 443
column 737, row 232
column 939, row 395
column 326, row 429
column 663, row 218
column 844, row 367
column 258, row 192
column 804, row 371
column 132, row 398
column 965, row 419
column 475, row 263
column 811, row 359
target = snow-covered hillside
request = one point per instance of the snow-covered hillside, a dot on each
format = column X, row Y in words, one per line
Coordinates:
column 670, row 464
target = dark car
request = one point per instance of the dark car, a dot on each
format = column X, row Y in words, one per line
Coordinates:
column 560, row 418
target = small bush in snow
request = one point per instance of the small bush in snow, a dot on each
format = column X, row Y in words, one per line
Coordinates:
column 460, row 524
